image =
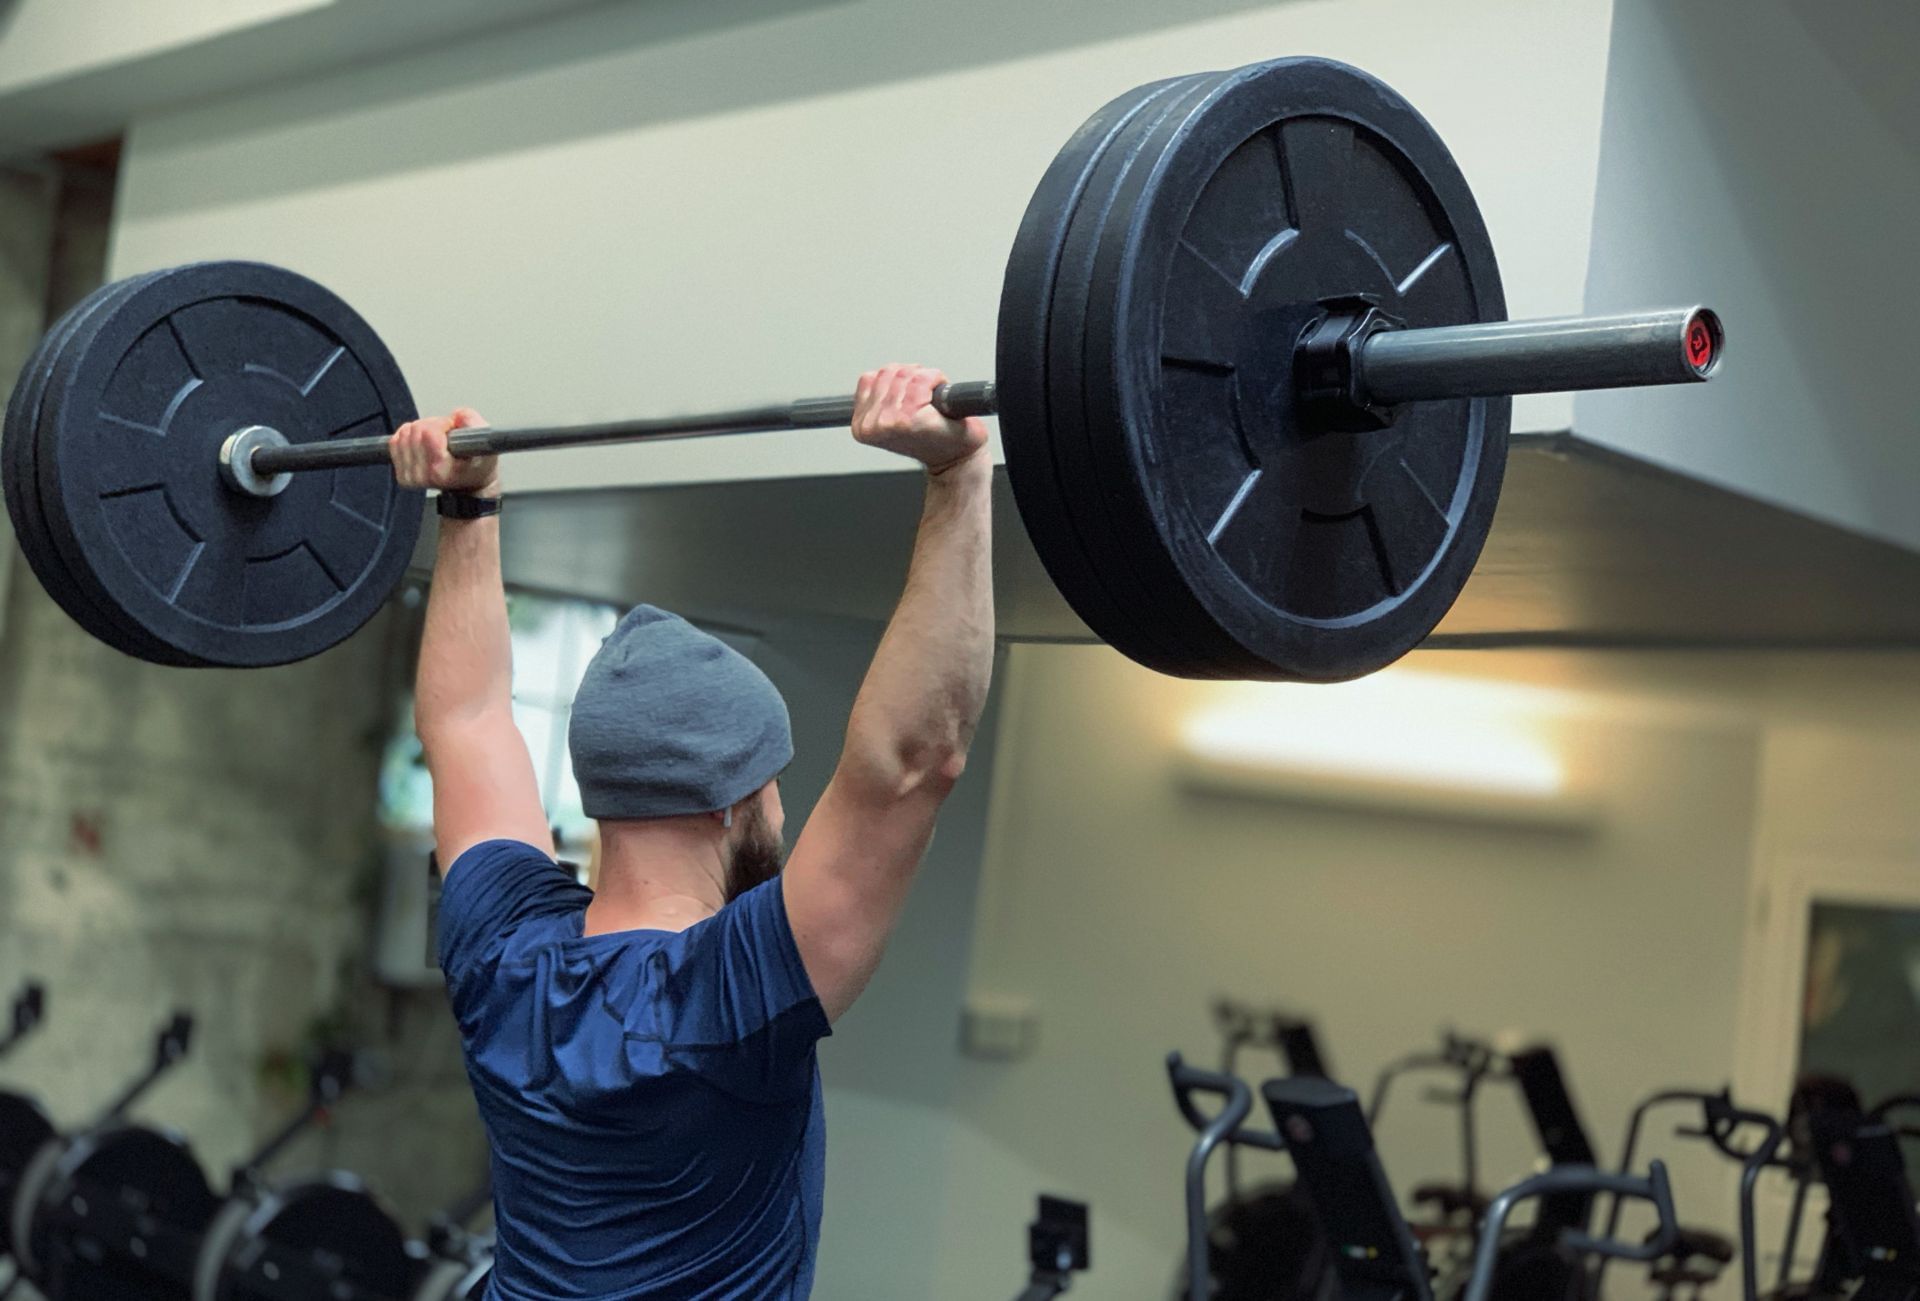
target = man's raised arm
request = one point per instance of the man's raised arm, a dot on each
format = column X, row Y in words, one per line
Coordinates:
column 916, row 712
column 484, row 786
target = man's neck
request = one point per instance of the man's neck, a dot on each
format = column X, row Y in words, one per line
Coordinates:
column 663, row 874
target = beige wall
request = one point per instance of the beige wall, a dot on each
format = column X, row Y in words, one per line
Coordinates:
column 1117, row 904
column 1120, row 903
column 649, row 208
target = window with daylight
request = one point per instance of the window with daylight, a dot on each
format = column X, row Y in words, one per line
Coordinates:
column 553, row 639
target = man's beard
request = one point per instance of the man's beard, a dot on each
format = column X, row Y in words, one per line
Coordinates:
column 758, row 857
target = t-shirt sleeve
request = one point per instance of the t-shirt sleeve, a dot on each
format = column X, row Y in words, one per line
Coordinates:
column 740, row 1010
column 489, row 892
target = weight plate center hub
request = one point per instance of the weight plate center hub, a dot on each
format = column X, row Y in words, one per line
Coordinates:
column 1313, row 209
column 1329, row 466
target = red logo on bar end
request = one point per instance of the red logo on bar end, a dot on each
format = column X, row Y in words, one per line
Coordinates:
column 1699, row 344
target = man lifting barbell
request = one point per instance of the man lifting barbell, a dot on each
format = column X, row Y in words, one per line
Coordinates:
column 1253, row 372
column 643, row 1054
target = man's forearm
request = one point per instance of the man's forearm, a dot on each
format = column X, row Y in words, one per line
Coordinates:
column 466, row 657
column 922, row 699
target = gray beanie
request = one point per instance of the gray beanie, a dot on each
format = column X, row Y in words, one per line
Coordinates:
column 670, row 721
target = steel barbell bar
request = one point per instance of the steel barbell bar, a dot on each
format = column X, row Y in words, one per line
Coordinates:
column 1392, row 367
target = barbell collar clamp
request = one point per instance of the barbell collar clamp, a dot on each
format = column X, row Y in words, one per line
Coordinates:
column 242, row 472
column 1326, row 367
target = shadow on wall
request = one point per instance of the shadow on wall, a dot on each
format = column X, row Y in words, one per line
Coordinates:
column 678, row 59
column 1874, row 44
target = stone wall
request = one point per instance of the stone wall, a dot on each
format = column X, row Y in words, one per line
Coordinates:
column 205, row 840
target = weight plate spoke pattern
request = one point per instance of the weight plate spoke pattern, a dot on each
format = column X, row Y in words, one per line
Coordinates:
column 1295, row 183
column 1408, row 522
column 1203, row 327
column 129, row 466
column 1223, row 471
column 1316, row 156
column 1258, row 221
column 98, row 612
column 1260, row 531
column 1435, row 283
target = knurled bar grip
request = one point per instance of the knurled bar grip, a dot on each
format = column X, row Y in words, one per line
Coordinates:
column 957, row 401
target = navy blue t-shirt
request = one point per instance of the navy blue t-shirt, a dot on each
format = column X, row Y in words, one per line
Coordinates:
column 651, row 1097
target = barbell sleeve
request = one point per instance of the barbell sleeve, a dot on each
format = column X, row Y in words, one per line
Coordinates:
column 1559, row 354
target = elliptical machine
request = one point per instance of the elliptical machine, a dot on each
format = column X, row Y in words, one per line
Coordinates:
column 1457, row 1208
column 1534, row 1265
column 1295, row 1042
column 1375, row 1255
column 1289, row 1257
column 1698, row 1256
column 1261, row 1244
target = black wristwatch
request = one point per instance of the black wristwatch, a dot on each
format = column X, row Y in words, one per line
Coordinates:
column 466, row 505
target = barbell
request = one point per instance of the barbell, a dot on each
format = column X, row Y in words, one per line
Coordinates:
column 1253, row 376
